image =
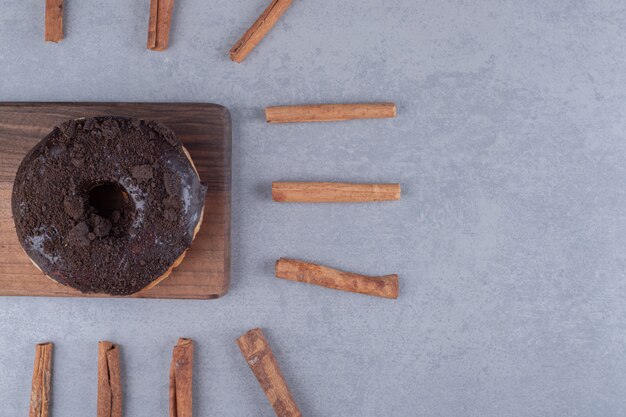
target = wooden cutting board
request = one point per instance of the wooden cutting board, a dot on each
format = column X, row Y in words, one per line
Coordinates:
column 205, row 131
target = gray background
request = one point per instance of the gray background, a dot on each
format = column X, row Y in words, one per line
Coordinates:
column 510, row 238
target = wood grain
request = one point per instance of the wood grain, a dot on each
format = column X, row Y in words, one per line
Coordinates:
column 329, row 112
column 259, row 356
column 181, row 379
column 259, row 29
column 333, row 192
column 159, row 24
column 53, row 26
column 310, row 273
column 204, row 129
column 109, row 381
column 42, row 376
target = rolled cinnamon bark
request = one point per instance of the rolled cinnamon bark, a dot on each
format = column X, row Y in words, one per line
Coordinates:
column 301, row 271
column 333, row 192
column 181, row 379
column 258, row 354
column 109, row 380
column 159, row 24
column 42, row 376
column 53, row 29
column 329, row 112
column 259, row 29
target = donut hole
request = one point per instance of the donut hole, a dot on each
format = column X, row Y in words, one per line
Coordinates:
column 111, row 201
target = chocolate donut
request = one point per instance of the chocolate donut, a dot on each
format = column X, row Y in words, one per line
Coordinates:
column 107, row 204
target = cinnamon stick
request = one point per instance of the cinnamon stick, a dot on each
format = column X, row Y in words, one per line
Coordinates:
column 300, row 271
column 259, row 356
column 109, row 380
column 53, row 29
column 259, row 29
column 333, row 192
column 42, row 375
column 329, row 112
column 181, row 379
column 159, row 24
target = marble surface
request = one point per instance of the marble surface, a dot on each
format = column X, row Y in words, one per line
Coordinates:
column 510, row 238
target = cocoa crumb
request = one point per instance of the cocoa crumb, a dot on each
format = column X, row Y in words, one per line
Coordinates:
column 170, row 202
column 170, row 215
column 142, row 173
column 74, row 206
column 101, row 226
column 78, row 235
column 170, row 181
column 68, row 129
column 110, row 129
column 89, row 124
column 165, row 133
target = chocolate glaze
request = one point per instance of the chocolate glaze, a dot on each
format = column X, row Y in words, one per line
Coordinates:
column 107, row 204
